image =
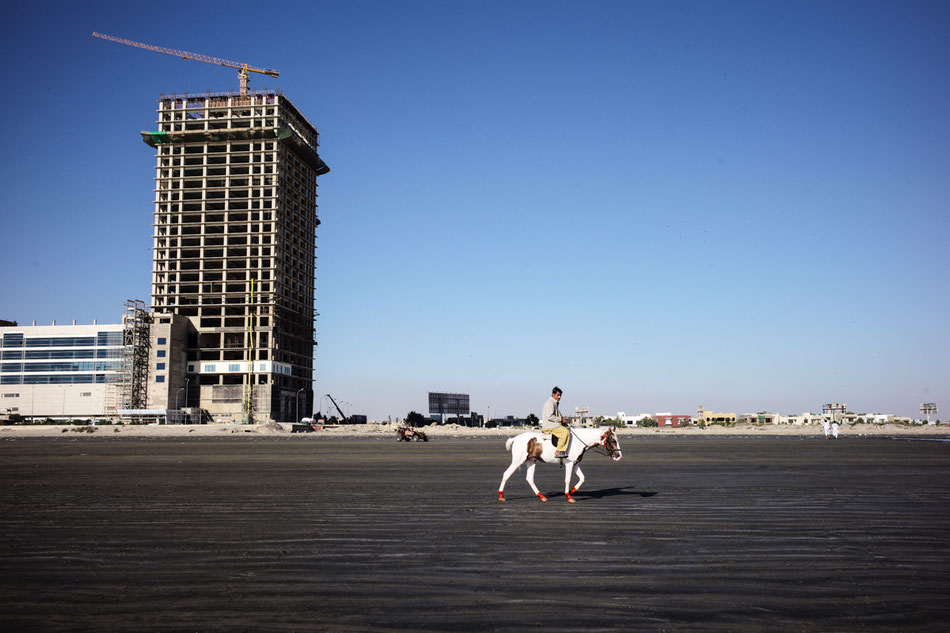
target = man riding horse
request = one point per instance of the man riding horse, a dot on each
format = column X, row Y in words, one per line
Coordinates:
column 553, row 423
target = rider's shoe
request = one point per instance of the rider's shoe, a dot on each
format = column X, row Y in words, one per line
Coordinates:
column 560, row 454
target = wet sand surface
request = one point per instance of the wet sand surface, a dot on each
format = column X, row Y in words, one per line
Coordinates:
column 301, row 533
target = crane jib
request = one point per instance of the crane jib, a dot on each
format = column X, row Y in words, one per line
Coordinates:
column 243, row 69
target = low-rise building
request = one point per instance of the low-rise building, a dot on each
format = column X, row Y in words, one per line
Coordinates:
column 763, row 417
column 60, row 371
column 875, row 418
column 668, row 419
column 805, row 418
column 66, row 372
column 714, row 417
column 632, row 420
column 621, row 419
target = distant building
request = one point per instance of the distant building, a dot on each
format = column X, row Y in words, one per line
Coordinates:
column 805, row 418
column 94, row 371
column 763, row 417
column 172, row 383
column 60, row 371
column 234, row 249
column 875, row 418
column 632, row 420
column 668, row 419
column 507, row 421
column 231, row 326
column 714, row 417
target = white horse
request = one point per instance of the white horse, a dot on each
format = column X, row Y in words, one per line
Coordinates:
column 534, row 447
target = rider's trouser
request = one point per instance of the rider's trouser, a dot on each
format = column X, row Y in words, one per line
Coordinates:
column 563, row 435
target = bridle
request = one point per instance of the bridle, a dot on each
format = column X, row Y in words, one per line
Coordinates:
column 610, row 452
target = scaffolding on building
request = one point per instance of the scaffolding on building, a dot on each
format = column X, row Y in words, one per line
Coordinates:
column 136, row 328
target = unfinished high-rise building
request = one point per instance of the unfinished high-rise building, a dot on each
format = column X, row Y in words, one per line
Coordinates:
column 234, row 249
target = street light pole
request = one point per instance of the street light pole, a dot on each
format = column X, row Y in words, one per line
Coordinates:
column 178, row 398
column 297, row 403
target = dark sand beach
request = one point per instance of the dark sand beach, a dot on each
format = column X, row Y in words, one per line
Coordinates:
column 292, row 533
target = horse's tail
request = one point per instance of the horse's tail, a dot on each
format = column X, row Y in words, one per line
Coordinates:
column 508, row 444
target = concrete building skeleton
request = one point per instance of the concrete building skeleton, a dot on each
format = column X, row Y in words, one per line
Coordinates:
column 234, row 249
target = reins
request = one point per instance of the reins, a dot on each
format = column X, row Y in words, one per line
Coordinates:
column 603, row 449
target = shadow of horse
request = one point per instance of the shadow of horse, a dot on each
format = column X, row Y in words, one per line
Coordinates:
column 610, row 492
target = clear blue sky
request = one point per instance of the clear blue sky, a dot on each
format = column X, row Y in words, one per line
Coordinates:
column 654, row 205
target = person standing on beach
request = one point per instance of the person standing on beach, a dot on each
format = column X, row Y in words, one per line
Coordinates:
column 552, row 422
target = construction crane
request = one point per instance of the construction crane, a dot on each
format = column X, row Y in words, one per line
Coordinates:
column 242, row 69
column 342, row 415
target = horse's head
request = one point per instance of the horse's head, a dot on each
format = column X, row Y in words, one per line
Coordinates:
column 611, row 444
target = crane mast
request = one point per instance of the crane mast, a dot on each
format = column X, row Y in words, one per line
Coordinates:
column 342, row 415
column 242, row 68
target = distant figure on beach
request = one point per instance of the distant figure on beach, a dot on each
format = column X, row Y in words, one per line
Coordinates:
column 831, row 430
column 553, row 423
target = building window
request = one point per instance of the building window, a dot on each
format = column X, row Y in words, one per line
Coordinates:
column 159, row 378
column 107, row 339
column 161, row 353
column 160, row 366
column 162, row 341
column 59, row 341
column 13, row 340
column 234, row 367
column 209, row 367
column 11, row 395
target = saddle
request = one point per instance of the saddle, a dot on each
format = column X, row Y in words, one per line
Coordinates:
column 553, row 439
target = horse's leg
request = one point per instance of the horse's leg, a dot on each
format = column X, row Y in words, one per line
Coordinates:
column 580, row 479
column 532, row 462
column 571, row 465
column 515, row 462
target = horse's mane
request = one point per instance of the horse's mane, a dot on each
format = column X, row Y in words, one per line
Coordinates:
column 589, row 436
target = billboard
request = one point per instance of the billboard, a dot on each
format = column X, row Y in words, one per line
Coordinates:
column 448, row 403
